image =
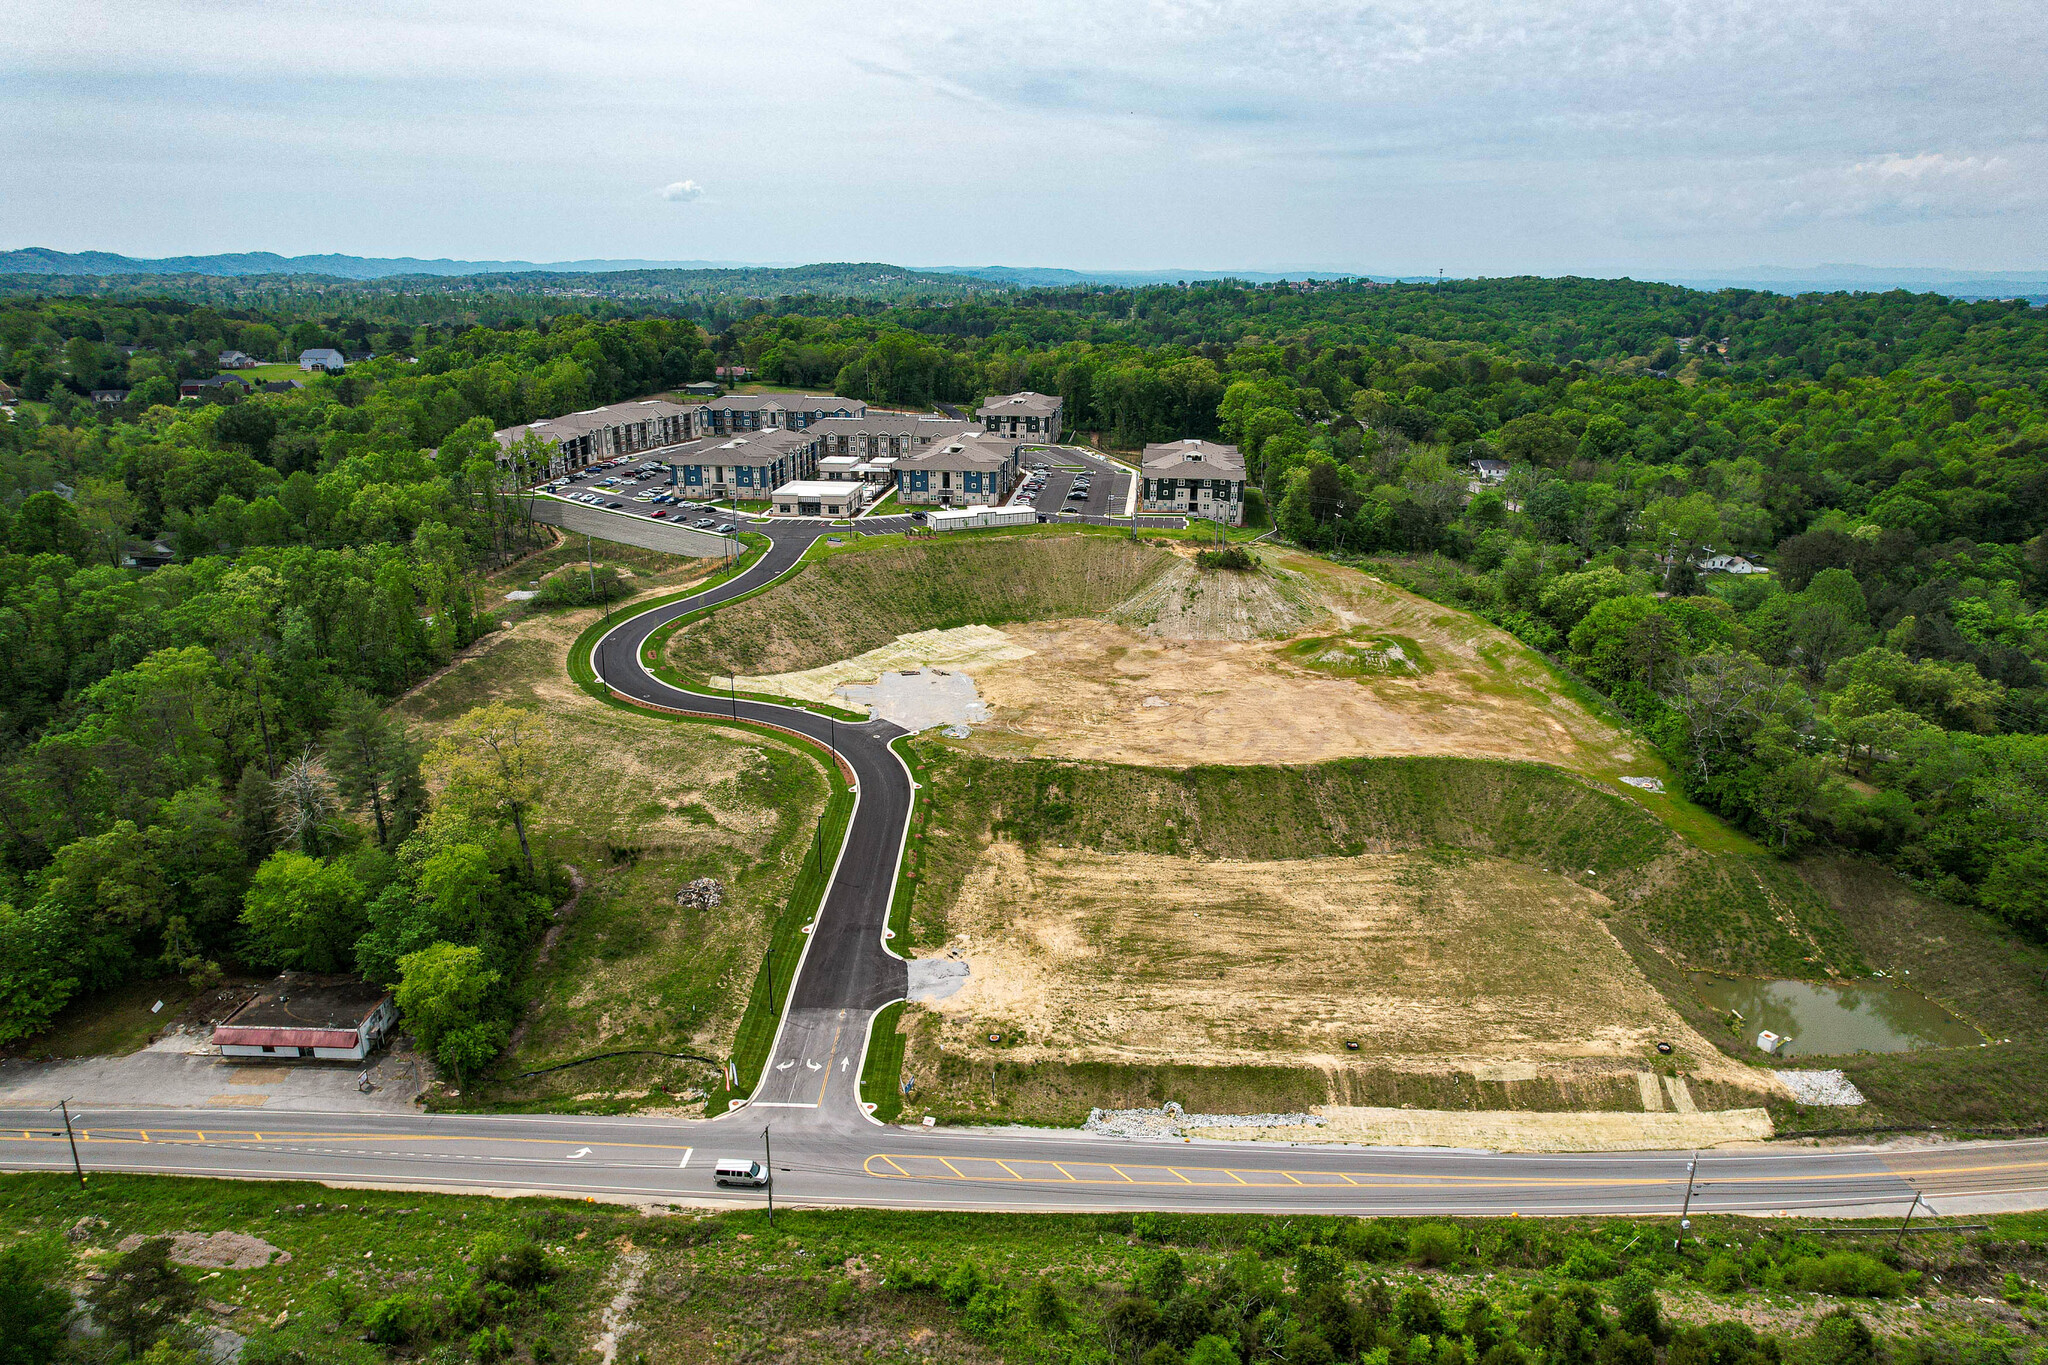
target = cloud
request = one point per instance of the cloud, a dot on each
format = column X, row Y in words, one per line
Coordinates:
column 682, row 192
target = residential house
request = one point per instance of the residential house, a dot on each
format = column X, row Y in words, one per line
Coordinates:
column 585, row 438
column 704, row 388
column 818, row 498
column 1195, row 477
column 324, row 359
column 110, row 395
column 221, row 386
column 1490, row 471
column 972, row 467
column 747, row 467
column 735, row 373
column 237, row 360
column 1028, row 416
column 153, row 554
column 279, row 386
column 329, row 1018
column 737, row 412
column 1731, row 563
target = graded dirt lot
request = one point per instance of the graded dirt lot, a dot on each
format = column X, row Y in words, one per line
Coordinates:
column 1300, row 662
column 1427, row 961
column 1091, row 647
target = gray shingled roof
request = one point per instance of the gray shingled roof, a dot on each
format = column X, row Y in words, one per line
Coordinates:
column 1193, row 459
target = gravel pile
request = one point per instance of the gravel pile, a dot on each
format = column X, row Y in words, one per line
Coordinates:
column 1173, row 1121
column 1821, row 1087
column 706, row 893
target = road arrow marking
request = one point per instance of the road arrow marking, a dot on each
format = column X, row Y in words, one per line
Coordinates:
column 579, row 1152
column 785, row 1066
column 842, row 1064
column 812, row 1065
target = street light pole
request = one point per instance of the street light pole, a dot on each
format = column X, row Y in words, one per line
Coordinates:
column 768, row 1169
column 1684, row 1221
column 76, row 1167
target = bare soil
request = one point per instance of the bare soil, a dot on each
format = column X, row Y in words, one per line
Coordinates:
column 1427, row 963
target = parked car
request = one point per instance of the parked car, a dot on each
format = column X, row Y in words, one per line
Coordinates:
column 726, row 528
column 703, row 523
column 615, row 504
column 661, row 512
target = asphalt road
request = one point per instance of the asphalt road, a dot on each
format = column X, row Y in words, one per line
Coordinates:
column 827, row 1151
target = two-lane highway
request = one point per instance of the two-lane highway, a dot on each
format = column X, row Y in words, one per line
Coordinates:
column 828, row 1151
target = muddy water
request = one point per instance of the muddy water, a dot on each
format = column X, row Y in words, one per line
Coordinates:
column 1830, row 1019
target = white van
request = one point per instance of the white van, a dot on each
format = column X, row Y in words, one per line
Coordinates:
column 733, row 1171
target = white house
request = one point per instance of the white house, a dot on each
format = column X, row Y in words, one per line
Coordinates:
column 323, row 358
column 1727, row 563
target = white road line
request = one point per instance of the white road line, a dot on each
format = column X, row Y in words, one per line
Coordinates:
column 686, row 1158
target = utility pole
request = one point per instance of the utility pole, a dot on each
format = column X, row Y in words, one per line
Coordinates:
column 1684, row 1221
column 1900, row 1240
column 768, row 1169
column 76, row 1167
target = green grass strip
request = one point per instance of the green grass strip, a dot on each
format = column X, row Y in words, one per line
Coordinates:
column 881, row 1075
column 770, row 996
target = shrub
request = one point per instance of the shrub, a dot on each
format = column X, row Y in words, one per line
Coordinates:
column 1723, row 1273
column 1435, row 1244
column 1369, row 1239
column 1846, row 1272
column 1589, row 1263
column 1315, row 1267
column 986, row 1311
column 493, row 1343
column 1048, row 1310
column 1212, row 1350
column 963, row 1284
column 839, row 1298
column 520, row 1266
column 1161, row 1276
column 396, row 1321
column 1233, row 557
column 573, row 587
column 1842, row 1338
column 906, row 1278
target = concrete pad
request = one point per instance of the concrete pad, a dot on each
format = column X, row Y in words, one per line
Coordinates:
column 1681, row 1095
column 922, row 699
column 1520, row 1130
column 1653, row 1096
column 935, row 978
column 963, row 647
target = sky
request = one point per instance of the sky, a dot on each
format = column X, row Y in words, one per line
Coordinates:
column 1397, row 136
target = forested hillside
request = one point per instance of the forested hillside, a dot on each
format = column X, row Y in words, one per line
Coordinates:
column 194, row 765
column 1886, row 456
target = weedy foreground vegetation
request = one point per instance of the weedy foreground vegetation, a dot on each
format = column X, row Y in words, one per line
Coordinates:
column 360, row 1277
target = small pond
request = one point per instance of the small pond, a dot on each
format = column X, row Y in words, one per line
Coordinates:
column 1825, row 1019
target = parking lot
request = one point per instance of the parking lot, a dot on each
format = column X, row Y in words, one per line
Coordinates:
column 1054, row 485
column 640, row 488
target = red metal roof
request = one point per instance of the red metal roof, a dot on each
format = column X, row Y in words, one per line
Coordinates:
column 285, row 1037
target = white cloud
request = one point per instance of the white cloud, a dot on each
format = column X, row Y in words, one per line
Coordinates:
column 682, row 192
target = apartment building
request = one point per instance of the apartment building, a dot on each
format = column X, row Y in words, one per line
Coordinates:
column 972, row 467
column 739, row 412
column 873, row 435
column 1026, row 416
column 585, row 438
column 1196, row 478
column 748, row 467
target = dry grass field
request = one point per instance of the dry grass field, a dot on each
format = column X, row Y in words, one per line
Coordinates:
column 639, row 805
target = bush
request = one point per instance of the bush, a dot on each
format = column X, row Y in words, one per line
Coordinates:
column 396, row 1321
column 1369, row 1239
column 986, row 1311
column 1161, row 1276
column 839, row 1298
column 573, row 587
column 906, row 1278
column 1233, row 557
column 521, row 1266
column 1048, row 1310
column 1723, row 1273
column 963, row 1284
column 1212, row 1350
column 1435, row 1244
column 1846, row 1272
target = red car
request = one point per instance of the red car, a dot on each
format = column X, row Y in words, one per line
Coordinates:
column 662, row 513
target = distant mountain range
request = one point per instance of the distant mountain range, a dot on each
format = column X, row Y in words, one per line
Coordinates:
column 1979, row 284
column 1828, row 279
column 38, row 260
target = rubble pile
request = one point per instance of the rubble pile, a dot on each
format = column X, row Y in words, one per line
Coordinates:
column 706, row 893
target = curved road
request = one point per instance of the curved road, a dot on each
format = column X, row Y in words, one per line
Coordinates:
column 828, row 1151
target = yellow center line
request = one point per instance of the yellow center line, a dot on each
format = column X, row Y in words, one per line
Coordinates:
column 160, row 1135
